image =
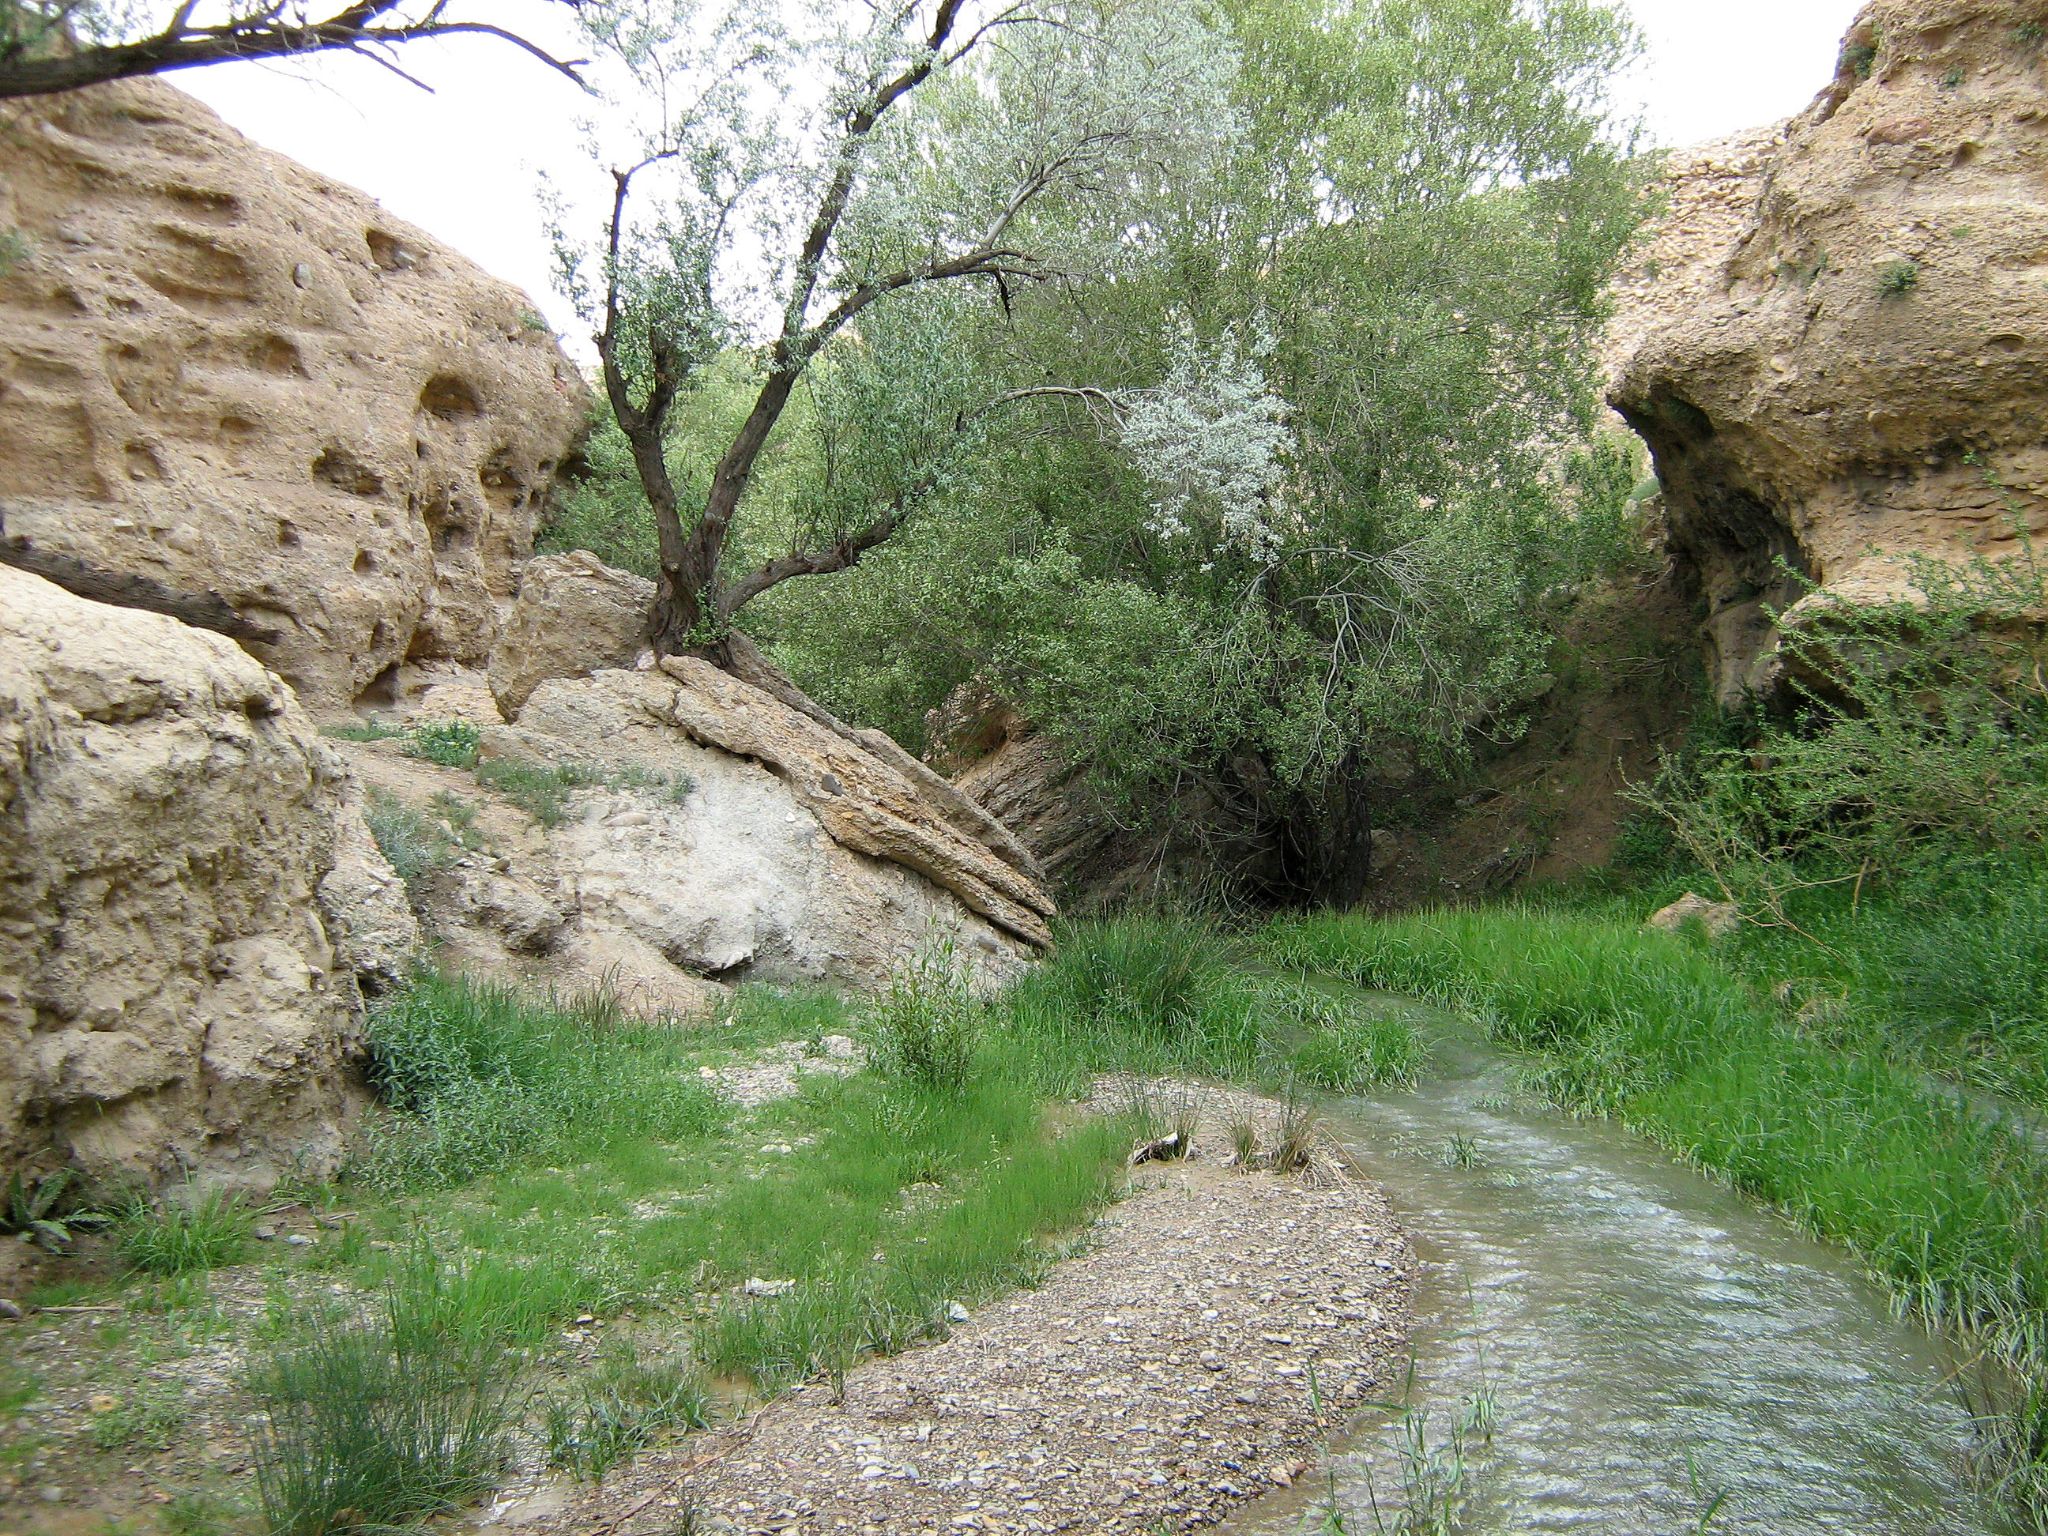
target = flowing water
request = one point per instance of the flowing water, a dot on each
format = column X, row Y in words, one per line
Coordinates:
column 1647, row 1337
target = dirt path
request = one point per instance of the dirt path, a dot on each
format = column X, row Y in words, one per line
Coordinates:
column 1218, row 1327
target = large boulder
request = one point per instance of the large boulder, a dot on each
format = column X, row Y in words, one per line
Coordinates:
column 187, row 894
column 574, row 615
column 1846, row 371
column 663, row 832
column 228, row 374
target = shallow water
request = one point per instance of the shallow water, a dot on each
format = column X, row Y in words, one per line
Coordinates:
column 1648, row 1338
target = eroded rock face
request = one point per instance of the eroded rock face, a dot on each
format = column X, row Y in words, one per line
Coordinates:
column 186, row 894
column 1851, row 371
column 225, row 372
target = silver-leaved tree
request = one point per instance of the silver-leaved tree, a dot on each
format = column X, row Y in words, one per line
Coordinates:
column 841, row 193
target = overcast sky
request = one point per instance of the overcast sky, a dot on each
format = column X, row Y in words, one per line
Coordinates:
column 463, row 162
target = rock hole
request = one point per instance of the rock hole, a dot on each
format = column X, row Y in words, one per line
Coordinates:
column 276, row 354
column 238, row 429
column 389, row 252
column 143, row 462
column 381, row 692
column 450, row 397
column 345, row 472
column 1964, row 154
column 366, row 563
column 287, row 535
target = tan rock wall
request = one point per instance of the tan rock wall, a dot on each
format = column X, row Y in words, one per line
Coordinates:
column 226, row 372
column 1837, row 378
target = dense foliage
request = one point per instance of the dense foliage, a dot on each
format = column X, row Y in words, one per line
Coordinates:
column 1270, row 479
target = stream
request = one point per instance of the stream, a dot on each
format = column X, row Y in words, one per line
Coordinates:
column 1648, row 1338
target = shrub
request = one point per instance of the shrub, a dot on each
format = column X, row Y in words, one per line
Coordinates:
column 1898, row 278
column 372, row 1421
column 451, row 743
column 923, row 1030
column 177, row 1237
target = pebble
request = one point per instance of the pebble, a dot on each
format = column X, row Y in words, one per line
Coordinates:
column 9, row 1309
column 299, row 1240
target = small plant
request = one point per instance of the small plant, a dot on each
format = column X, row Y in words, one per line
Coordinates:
column 620, row 1413
column 369, row 1422
column 185, row 1236
column 417, row 846
column 149, row 1421
column 2028, row 34
column 539, row 789
column 923, row 1030
column 1460, row 1152
column 450, row 743
column 1898, row 278
column 1298, row 1137
column 47, row 1211
column 361, row 730
column 14, row 250
column 1953, row 77
column 533, row 322
column 1244, row 1142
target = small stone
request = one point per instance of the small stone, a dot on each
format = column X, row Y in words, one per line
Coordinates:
column 756, row 1286
column 52, row 1495
column 11, row 1310
column 955, row 1313
column 299, row 1240
column 102, row 1402
column 265, row 1234
column 302, row 275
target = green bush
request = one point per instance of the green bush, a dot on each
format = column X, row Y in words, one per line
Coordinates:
column 451, row 743
column 417, row 845
column 181, row 1236
column 1898, row 279
column 1354, row 1056
column 539, row 789
column 923, row 1029
column 380, row 1420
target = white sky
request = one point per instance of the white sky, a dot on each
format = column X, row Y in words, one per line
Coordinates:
column 463, row 162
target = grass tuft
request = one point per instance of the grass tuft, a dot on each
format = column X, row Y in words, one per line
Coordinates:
column 185, row 1236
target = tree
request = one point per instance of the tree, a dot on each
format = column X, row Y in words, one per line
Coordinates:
column 1406, row 252
column 48, row 46
column 884, row 182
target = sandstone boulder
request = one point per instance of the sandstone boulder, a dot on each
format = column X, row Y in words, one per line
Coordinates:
column 1848, row 370
column 1717, row 919
column 227, row 374
column 575, row 615
column 186, row 893
column 690, row 830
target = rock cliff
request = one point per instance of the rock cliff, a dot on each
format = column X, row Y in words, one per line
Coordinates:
column 1846, row 368
column 231, row 375
column 188, row 895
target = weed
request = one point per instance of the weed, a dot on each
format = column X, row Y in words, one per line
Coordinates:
column 539, row 789
column 2030, row 33
column 1354, row 1056
column 196, row 1512
column 17, row 1390
column 612, row 1417
column 362, row 730
column 1898, row 278
column 417, row 846
column 1244, row 1142
column 15, row 249
column 47, row 1211
column 533, row 322
column 1952, row 77
column 450, row 743
column 186, row 1235
column 1297, row 1138
column 1460, row 1152
column 1861, row 58
column 367, row 1422
column 479, row 1078
column 923, row 1029
column 148, row 1421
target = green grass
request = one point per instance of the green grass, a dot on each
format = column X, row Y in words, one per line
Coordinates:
column 149, row 1420
column 375, row 1420
column 540, row 789
column 478, row 1078
column 450, row 743
column 619, row 1408
column 418, row 844
column 185, row 1235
